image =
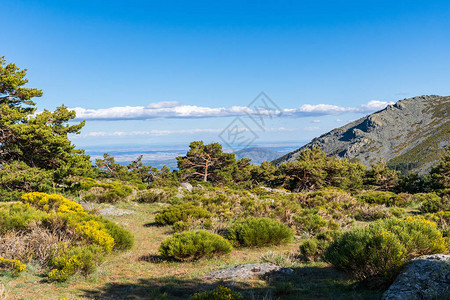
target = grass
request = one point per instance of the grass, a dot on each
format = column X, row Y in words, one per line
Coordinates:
column 141, row 274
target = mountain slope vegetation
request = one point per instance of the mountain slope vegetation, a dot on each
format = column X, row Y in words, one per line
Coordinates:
column 410, row 136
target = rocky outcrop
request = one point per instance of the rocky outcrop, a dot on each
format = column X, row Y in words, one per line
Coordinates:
column 410, row 134
column 426, row 277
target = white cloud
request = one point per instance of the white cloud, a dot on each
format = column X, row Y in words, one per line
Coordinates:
column 315, row 121
column 149, row 132
column 172, row 109
column 338, row 120
column 156, row 132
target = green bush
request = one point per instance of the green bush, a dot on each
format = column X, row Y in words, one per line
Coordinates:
column 259, row 232
column 106, row 192
column 378, row 197
column 376, row 253
column 193, row 245
column 78, row 259
column 219, row 293
column 123, row 238
column 326, row 195
column 181, row 212
column 371, row 213
column 313, row 249
column 310, row 222
column 154, row 195
column 17, row 178
column 430, row 202
column 19, row 216
column 81, row 239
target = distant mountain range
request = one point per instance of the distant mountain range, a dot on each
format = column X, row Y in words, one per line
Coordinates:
column 409, row 135
column 258, row 154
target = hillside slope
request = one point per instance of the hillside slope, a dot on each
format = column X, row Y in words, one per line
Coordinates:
column 409, row 135
column 257, row 154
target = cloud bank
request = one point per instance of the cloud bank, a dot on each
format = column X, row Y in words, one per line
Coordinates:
column 156, row 132
column 172, row 109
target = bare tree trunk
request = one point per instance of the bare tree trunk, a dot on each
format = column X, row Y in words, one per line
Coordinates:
column 205, row 176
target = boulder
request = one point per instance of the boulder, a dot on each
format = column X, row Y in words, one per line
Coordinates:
column 187, row 186
column 425, row 277
column 247, row 271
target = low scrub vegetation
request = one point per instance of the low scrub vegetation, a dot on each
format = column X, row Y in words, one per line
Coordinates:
column 193, row 245
column 376, row 253
column 57, row 234
column 181, row 212
column 219, row 293
column 257, row 232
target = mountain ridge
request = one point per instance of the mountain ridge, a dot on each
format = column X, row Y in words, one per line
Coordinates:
column 409, row 135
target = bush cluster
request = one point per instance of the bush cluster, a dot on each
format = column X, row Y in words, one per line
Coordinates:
column 378, row 197
column 193, row 245
column 314, row 248
column 377, row 252
column 105, row 192
column 14, row 265
column 181, row 212
column 59, row 216
column 256, row 232
column 430, row 202
column 219, row 293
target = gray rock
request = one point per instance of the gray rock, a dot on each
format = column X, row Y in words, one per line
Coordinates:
column 426, row 277
column 112, row 211
column 283, row 192
column 187, row 186
column 247, row 271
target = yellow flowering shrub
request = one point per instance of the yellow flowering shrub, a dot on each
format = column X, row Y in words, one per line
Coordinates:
column 96, row 231
column 219, row 293
column 100, row 235
column 14, row 265
column 83, row 258
column 47, row 202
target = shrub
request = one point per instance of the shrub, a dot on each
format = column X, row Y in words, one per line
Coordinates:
column 12, row 264
column 193, row 245
column 76, row 259
column 378, row 252
column 17, row 178
column 47, row 202
column 313, row 249
column 123, row 239
column 60, row 222
column 430, row 202
column 19, row 216
column 106, row 192
column 378, row 197
column 326, row 195
column 404, row 200
column 259, row 232
column 371, row 213
column 219, row 293
column 181, row 212
column 279, row 259
column 154, row 195
column 310, row 222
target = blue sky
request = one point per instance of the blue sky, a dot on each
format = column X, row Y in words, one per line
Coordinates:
column 170, row 72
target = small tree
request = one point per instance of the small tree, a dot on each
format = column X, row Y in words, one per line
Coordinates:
column 207, row 162
column 40, row 141
column 440, row 174
column 380, row 177
column 314, row 170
